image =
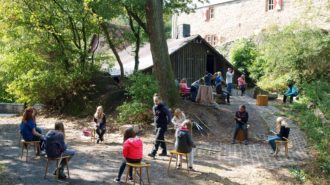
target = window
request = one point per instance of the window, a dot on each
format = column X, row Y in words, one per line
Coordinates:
column 207, row 13
column 270, row 5
column 211, row 12
column 211, row 39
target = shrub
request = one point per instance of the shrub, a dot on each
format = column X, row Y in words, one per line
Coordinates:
column 133, row 113
column 140, row 88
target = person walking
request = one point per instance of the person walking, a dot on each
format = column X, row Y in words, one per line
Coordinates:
column 242, row 84
column 162, row 117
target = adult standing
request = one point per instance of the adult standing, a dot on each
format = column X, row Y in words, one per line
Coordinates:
column 162, row 117
column 194, row 89
column 242, row 84
column 229, row 79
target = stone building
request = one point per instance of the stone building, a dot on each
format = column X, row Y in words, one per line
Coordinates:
column 220, row 21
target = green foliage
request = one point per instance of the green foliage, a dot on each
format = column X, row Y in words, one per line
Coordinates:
column 318, row 134
column 133, row 113
column 242, row 54
column 140, row 88
column 297, row 52
column 298, row 173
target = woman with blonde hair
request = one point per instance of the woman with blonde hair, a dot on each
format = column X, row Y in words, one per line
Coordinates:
column 178, row 119
column 100, row 120
column 185, row 144
column 282, row 134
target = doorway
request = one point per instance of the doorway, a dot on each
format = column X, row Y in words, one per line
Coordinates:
column 210, row 64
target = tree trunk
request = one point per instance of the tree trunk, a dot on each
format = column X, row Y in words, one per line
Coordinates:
column 112, row 47
column 137, row 35
column 161, row 59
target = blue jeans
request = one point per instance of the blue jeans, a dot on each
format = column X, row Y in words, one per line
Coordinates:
column 271, row 141
column 245, row 131
column 229, row 88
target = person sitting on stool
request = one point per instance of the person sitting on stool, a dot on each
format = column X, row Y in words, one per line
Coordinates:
column 241, row 118
column 291, row 92
column 282, row 135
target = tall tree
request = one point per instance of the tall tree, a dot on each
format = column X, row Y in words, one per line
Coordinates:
column 161, row 59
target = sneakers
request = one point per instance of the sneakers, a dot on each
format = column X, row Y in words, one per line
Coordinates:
column 151, row 155
column 116, row 180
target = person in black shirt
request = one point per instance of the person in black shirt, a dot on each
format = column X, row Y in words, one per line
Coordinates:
column 282, row 135
column 241, row 118
column 162, row 117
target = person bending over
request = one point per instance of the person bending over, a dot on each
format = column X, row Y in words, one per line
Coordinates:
column 291, row 92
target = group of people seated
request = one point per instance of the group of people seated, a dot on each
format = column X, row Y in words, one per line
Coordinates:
column 54, row 146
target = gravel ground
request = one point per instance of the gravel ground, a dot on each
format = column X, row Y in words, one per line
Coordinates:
column 99, row 163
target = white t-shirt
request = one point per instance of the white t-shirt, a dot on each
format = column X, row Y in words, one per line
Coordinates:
column 229, row 77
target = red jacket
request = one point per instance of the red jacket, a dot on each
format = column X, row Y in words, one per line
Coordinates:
column 133, row 148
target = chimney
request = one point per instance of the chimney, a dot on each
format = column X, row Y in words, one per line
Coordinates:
column 184, row 31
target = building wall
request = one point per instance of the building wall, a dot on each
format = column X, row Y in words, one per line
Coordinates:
column 191, row 60
column 243, row 18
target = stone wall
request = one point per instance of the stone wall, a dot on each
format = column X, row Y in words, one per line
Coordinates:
column 244, row 18
column 11, row 108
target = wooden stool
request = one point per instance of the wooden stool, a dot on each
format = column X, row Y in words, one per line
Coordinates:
column 174, row 152
column 135, row 166
column 58, row 163
column 93, row 135
column 262, row 100
column 25, row 145
column 282, row 142
column 240, row 135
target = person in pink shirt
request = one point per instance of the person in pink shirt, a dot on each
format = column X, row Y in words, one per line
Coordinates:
column 242, row 84
column 132, row 152
column 184, row 87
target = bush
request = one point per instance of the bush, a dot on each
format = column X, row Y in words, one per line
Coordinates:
column 317, row 133
column 242, row 54
column 133, row 113
column 140, row 88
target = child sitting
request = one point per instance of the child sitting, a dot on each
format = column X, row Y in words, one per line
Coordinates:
column 132, row 152
column 184, row 89
column 184, row 143
column 56, row 147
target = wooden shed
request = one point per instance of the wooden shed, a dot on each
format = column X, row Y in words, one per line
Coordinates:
column 190, row 58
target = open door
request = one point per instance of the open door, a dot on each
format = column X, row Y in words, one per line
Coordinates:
column 210, row 64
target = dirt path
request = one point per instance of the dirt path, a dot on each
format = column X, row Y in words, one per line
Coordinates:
column 99, row 163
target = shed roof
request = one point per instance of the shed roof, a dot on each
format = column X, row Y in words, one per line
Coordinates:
column 145, row 57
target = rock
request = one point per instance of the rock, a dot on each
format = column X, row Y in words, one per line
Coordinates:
column 124, row 127
column 258, row 91
column 272, row 96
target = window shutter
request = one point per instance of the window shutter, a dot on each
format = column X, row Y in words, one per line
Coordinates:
column 207, row 14
column 275, row 4
column 278, row 5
